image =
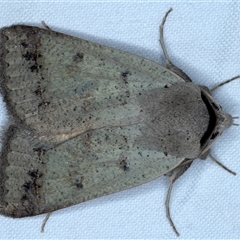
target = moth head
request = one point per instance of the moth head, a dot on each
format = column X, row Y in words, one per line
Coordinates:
column 224, row 121
column 219, row 120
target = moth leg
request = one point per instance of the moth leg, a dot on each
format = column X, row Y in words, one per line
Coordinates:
column 225, row 82
column 221, row 165
column 208, row 154
column 173, row 176
column 46, row 26
column 45, row 221
column 169, row 64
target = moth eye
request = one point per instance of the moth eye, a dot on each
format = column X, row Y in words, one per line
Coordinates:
column 214, row 135
column 215, row 106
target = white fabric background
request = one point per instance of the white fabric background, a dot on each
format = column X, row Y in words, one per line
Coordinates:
column 203, row 39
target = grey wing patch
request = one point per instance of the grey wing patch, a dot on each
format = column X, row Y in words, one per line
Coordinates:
column 93, row 164
column 176, row 120
column 55, row 89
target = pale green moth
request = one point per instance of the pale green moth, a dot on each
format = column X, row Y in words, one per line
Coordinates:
column 87, row 120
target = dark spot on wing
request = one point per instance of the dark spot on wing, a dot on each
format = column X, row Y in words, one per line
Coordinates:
column 34, row 174
column 24, row 44
column 78, row 57
column 79, row 183
column 125, row 76
column 34, row 68
column 124, row 165
column 29, row 56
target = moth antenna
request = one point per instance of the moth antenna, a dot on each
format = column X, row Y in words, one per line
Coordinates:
column 235, row 124
column 169, row 64
column 45, row 221
column 173, row 176
column 162, row 39
column 225, row 82
column 45, row 25
column 171, row 181
column 221, row 165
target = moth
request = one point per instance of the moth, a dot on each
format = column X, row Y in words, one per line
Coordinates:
column 86, row 120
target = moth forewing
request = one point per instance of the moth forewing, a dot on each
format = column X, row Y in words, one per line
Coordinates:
column 81, row 124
